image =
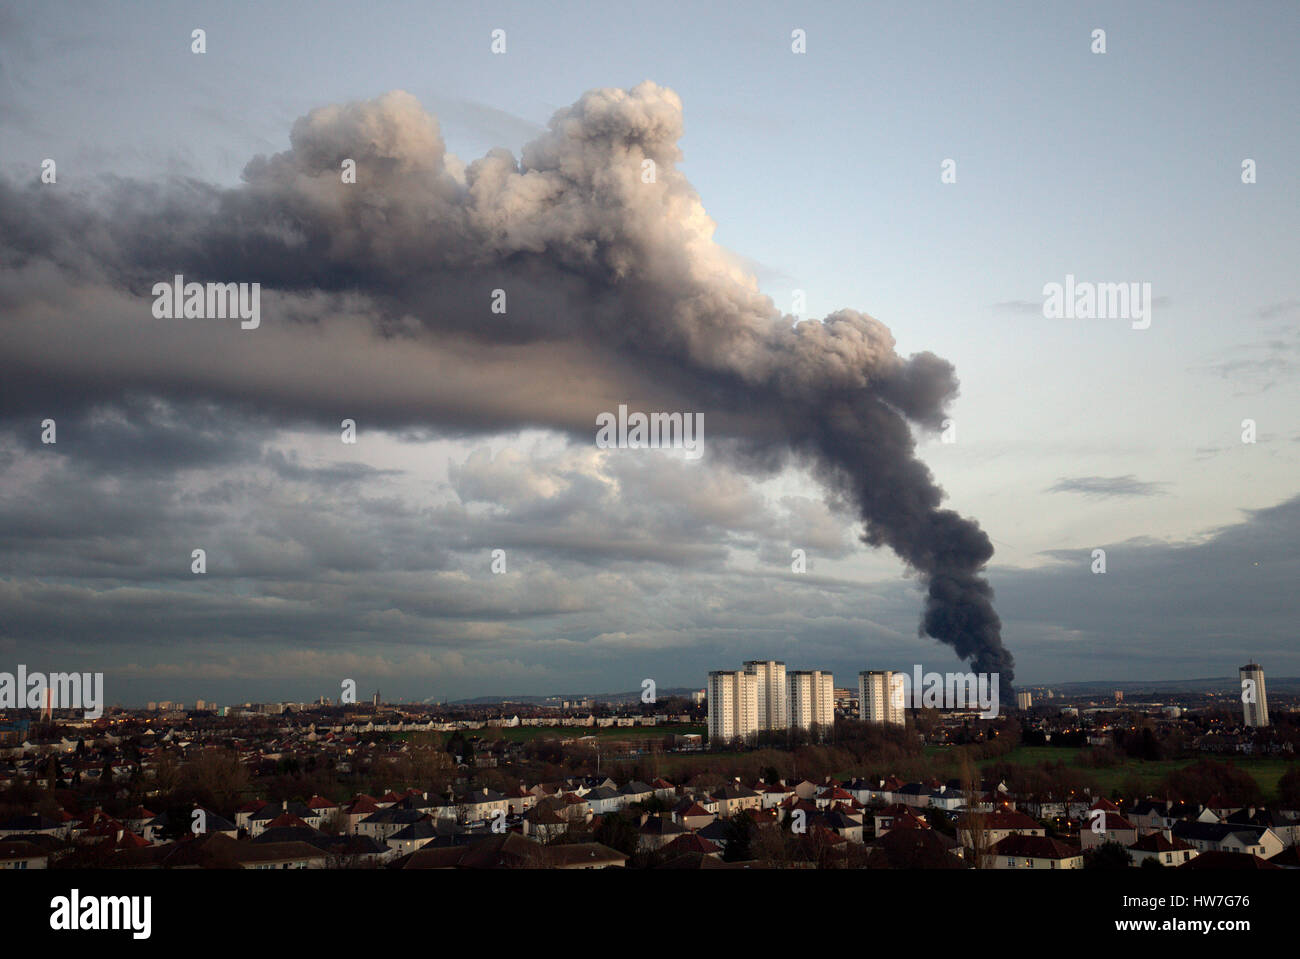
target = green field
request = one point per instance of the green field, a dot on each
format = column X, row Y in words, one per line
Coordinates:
column 1266, row 771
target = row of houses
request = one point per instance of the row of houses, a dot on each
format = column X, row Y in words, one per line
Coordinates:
column 853, row 818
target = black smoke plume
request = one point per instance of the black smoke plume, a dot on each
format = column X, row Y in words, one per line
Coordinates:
column 376, row 302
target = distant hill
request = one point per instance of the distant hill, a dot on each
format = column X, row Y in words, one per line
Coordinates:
column 1217, row 684
column 629, row 697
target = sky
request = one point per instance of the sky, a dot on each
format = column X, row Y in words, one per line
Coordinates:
column 783, row 176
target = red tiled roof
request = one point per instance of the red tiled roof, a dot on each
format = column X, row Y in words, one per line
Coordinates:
column 910, row 821
column 130, row 840
column 1003, row 819
column 691, row 842
column 286, row 819
column 1034, row 847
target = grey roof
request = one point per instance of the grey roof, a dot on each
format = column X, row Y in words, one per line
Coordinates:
column 715, row 831
column 662, row 826
column 214, row 822
column 1216, row 831
column 349, row 845
column 734, row 792
column 837, row 821
column 286, row 834
column 1261, row 817
column 394, row 815
column 477, row 796
column 424, row 829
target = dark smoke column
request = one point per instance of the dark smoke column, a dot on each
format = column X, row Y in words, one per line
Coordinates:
column 614, row 280
column 862, row 447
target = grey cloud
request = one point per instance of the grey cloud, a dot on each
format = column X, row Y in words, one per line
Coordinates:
column 1283, row 308
column 382, row 289
column 1184, row 609
column 1107, row 486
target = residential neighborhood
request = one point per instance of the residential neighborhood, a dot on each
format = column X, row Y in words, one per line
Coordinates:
column 597, row 821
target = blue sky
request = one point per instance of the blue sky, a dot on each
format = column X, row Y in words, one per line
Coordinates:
column 822, row 172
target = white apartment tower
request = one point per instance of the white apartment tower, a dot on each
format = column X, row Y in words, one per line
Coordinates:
column 810, row 698
column 773, row 708
column 879, row 697
column 733, row 705
column 1256, row 712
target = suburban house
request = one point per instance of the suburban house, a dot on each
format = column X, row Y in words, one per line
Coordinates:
column 1107, row 827
column 657, row 832
column 389, row 821
column 279, row 855
column 636, row 792
column 359, row 809
column 22, row 855
column 897, row 816
column 733, row 798
column 775, row 794
column 1024, row 851
column 479, row 805
column 1163, row 847
column 543, row 823
column 996, row 826
column 604, row 800
column 1224, row 837
column 692, row 815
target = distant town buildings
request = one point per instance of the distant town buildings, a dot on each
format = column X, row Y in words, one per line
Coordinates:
column 812, row 698
column 773, row 712
column 764, row 697
column 733, row 705
column 1024, row 699
column 877, row 702
column 1253, row 701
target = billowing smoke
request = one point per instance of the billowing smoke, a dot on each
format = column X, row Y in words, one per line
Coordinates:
column 376, row 304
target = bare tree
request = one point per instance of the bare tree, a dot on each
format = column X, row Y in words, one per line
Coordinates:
column 976, row 821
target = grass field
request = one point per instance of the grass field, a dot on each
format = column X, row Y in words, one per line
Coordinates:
column 1266, row 771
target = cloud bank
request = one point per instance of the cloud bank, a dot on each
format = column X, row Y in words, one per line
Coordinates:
column 377, row 305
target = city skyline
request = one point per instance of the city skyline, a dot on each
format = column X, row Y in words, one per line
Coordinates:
column 271, row 692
